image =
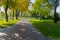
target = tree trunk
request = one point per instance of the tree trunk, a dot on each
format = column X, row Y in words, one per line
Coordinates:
column 13, row 15
column 6, row 15
column 17, row 14
column 6, row 11
column 43, row 17
column 55, row 14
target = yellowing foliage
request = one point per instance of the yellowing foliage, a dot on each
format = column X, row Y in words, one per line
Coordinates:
column 21, row 5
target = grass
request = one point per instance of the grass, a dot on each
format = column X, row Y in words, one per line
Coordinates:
column 47, row 27
column 4, row 24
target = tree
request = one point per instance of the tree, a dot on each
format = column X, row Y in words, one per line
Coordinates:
column 40, row 7
column 15, row 5
column 6, row 4
column 6, row 11
column 20, row 6
column 55, row 14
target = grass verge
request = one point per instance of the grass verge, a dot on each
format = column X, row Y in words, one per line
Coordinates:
column 4, row 24
column 47, row 27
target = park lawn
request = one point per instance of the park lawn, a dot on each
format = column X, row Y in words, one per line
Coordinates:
column 4, row 24
column 47, row 27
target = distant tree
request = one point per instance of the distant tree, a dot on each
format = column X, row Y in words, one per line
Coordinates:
column 40, row 7
column 21, row 6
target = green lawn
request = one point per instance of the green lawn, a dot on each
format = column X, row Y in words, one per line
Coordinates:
column 47, row 27
column 4, row 24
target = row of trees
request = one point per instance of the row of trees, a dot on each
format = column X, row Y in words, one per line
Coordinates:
column 39, row 8
column 44, row 7
column 15, row 5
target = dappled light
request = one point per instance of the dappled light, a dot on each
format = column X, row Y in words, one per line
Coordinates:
column 3, row 34
column 29, row 20
column 21, row 32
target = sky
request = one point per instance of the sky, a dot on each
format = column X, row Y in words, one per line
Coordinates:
column 58, row 9
column 32, row 0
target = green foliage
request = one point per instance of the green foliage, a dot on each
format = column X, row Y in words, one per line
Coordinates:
column 47, row 27
column 40, row 7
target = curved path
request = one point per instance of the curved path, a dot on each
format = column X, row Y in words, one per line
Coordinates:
column 22, row 30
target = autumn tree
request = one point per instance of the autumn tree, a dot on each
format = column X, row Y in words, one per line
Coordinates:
column 20, row 6
column 15, row 5
column 5, row 3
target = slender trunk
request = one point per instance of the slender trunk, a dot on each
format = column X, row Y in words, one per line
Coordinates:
column 6, row 15
column 43, row 17
column 55, row 14
column 6, row 11
column 16, row 14
column 13, row 14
